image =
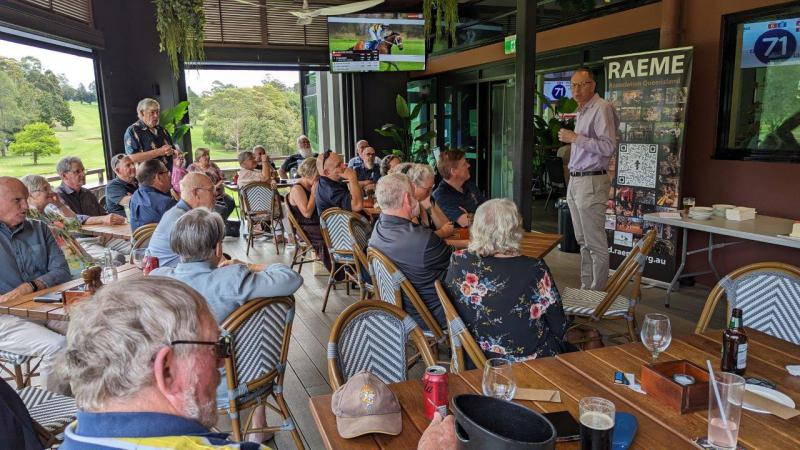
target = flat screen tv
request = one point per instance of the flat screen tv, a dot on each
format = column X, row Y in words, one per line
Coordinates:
column 376, row 42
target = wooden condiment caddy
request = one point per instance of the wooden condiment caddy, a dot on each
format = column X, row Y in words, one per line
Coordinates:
column 657, row 381
column 91, row 283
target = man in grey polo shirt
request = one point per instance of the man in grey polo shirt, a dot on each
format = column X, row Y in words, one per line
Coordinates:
column 593, row 143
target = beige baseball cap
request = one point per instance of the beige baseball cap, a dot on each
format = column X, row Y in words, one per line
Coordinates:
column 366, row 405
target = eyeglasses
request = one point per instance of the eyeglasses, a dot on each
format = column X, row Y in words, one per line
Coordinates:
column 223, row 346
column 582, row 84
column 209, row 189
column 325, row 155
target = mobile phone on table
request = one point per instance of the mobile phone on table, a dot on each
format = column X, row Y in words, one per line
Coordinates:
column 51, row 297
column 567, row 428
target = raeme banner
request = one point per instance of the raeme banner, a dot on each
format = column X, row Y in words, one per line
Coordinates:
column 649, row 92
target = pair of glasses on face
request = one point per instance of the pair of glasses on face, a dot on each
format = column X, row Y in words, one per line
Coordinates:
column 325, row 155
column 223, row 346
column 582, row 84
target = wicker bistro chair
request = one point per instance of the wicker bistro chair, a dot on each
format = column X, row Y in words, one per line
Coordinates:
column 335, row 224
column 260, row 331
column 260, row 206
column 51, row 413
column 141, row 237
column 768, row 294
column 21, row 377
column 372, row 336
column 359, row 232
column 461, row 341
column 589, row 306
column 303, row 250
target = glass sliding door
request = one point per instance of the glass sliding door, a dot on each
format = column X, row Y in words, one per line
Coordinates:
column 501, row 139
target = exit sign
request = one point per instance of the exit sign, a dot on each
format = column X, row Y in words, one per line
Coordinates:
column 510, row 45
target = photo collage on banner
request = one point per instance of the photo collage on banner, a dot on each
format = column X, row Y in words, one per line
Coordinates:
column 649, row 92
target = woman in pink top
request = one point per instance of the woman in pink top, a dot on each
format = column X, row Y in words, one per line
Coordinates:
column 178, row 171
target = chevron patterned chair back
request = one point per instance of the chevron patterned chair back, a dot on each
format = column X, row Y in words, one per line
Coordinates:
column 461, row 341
column 335, row 225
column 260, row 206
column 360, row 233
column 22, row 378
column 768, row 294
column 303, row 250
column 259, row 331
column 372, row 336
column 50, row 412
column 587, row 306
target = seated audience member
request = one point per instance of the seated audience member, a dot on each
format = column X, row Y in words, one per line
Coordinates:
column 388, row 163
column 301, row 202
column 248, row 173
column 137, row 381
column 153, row 199
column 258, row 153
column 421, row 255
column 120, row 189
column 178, row 171
column 456, row 196
column 356, row 161
column 368, row 170
column 45, row 205
column 16, row 427
column 337, row 186
column 303, row 151
column 508, row 301
column 224, row 203
column 196, row 190
column 30, row 261
column 430, row 215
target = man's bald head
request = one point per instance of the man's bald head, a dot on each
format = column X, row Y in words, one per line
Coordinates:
column 329, row 165
column 197, row 190
column 13, row 201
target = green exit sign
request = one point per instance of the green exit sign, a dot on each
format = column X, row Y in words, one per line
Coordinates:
column 510, row 44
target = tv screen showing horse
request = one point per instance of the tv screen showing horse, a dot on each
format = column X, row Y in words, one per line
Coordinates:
column 376, row 42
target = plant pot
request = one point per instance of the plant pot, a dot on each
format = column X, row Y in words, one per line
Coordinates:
column 485, row 422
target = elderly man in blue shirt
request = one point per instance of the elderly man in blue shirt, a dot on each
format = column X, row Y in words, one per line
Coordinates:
column 152, row 199
column 30, row 261
column 120, row 189
column 226, row 285
column 196, row 190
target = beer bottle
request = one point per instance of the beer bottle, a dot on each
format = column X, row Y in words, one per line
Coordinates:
column 734, row 345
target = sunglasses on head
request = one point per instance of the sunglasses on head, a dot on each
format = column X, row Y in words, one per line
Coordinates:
column 223, row 346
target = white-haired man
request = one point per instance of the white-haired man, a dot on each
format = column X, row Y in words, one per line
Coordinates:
column 416, row 250
column 303, row 151
column 146, row 139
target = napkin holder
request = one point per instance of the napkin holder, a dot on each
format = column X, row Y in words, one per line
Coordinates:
column 656, row 380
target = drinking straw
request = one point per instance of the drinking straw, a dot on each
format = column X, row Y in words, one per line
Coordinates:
column 722, row 412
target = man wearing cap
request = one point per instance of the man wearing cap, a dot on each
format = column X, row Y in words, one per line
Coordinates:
column 120, row 189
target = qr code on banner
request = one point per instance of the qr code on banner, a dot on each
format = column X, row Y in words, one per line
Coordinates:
column 637, row 165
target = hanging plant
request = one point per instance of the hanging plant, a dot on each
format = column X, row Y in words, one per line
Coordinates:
column 447, row 12
column 180, row 25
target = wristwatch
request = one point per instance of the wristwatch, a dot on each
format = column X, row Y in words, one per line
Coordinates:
column 33, row 286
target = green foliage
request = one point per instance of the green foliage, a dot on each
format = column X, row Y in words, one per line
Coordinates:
column 546, row 130
column 64, row 116
column 447, row 12
column 172, row 121
column 36, row 139
column 408, row 146
column 180, row 26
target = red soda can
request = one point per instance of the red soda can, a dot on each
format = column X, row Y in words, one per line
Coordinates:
column 150, row 263
column 434, row 384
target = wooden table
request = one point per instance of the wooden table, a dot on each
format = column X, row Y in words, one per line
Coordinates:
column 537, row 245
column 590, row 373
column 109, row 231
column 25, row 306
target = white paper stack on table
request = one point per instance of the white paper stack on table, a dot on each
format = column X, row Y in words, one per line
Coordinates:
column 740, row 213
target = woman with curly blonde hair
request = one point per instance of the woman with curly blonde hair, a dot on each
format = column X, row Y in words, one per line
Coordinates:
column 508, row 301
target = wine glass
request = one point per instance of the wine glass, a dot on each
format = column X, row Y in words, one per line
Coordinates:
column 498, row 379
column 656, row 334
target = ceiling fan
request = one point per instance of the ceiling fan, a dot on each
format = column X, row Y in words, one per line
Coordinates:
column 305, row 15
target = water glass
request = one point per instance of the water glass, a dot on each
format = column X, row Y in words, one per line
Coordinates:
column 656, row 334
column 723, row 434
column 137, row 256
column 597, row 423
column 109, row 274
column 498, row 379
column 293, row 173
column 688, row 202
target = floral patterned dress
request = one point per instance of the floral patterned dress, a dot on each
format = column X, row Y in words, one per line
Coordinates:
column 62, row 229
column 510, row 305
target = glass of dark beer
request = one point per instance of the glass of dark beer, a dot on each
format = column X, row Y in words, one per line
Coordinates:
column 597, row 423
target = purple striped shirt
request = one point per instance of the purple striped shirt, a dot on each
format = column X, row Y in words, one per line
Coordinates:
column 596, row 125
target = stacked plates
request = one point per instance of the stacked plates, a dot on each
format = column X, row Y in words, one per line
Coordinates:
column 719, row 209
column 700, row 212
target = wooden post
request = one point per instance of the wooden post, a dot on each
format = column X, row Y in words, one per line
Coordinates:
column 525, row 82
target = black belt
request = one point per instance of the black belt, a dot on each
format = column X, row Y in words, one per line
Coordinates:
column 588, row 174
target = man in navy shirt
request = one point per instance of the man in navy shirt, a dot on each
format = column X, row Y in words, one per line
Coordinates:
column 152, row 199
column 338, row 185
column 120, row 189
column 456, row 195
column 369, row 171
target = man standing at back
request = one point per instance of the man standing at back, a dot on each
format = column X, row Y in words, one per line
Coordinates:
column 337, row 186
column 593, row 143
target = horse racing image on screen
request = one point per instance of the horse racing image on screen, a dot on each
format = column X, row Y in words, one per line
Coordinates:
column 377, row 42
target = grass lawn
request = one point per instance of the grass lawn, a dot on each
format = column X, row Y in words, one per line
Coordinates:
column 82, row 140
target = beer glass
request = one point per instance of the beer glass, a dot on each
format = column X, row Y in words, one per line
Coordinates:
column 597, row 423
column 688, row 202
column 498, row 379
column 723, row 433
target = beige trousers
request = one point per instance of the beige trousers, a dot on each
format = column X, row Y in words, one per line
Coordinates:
column 587, row 198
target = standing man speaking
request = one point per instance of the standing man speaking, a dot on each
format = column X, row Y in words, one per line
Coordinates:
column 593, row 142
